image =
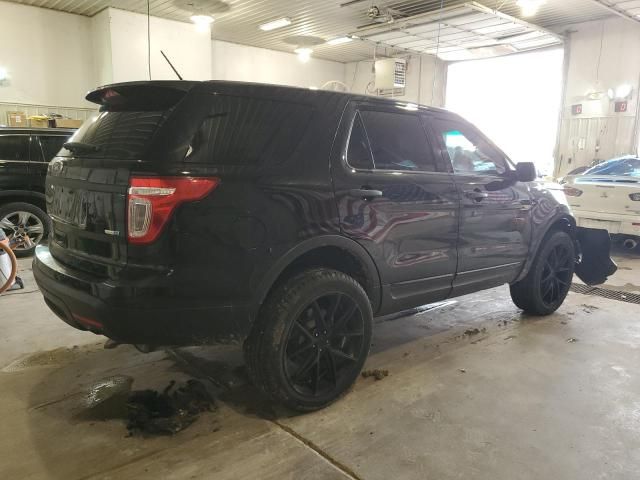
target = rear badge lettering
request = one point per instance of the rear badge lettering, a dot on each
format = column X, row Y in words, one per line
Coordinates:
column 112, row 232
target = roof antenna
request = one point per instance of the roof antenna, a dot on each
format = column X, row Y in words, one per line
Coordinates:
column 171, row 65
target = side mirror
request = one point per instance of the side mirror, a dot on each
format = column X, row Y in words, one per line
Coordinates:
column 526, row 172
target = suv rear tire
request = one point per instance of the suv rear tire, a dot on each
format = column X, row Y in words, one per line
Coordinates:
column 36, row 218
column 547, row 284
column 311, row 339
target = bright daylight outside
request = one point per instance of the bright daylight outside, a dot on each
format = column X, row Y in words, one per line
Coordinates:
column 515, row 100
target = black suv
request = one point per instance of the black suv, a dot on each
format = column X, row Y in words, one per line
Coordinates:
column 198, row 212
column 24, row 156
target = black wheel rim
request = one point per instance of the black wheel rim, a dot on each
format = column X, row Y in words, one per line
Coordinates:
column 556, row 275
column 324, row 345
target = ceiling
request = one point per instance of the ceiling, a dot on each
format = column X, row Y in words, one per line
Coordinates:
column 324, row 18
column 462, row 32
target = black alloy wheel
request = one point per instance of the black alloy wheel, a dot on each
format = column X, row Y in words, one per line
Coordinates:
column 324, row 345
column 556, row 274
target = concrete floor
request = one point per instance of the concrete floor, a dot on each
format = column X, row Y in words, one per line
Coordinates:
column 526, row 398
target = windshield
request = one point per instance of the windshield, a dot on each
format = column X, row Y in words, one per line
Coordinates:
column 622, row 167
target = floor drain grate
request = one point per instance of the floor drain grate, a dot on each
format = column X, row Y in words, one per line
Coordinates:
column 603, row 292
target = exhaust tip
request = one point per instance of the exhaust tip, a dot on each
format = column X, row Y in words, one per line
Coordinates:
column 630, row 244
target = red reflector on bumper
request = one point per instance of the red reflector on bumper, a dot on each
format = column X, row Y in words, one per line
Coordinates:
column 88, row 321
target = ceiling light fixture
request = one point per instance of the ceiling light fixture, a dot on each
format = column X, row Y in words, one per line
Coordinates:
column 530, row 7
column 281, row 22
column 203, row 22
column 339, row 40
column 304, row 54
column 202, row 19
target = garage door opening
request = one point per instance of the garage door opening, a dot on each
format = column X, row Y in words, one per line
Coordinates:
column 515, row 100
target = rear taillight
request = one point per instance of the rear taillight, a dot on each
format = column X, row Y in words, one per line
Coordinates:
column 572, row 192
column 151, row 201
column 635, row 197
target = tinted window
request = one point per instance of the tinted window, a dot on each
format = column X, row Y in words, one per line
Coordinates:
column 129, row 117
column 249, row 131
column 14, row 147
column 51, row 145
column 624, row 167
column 398, row 141
column 468, row 151
column 359, row 153
column 118, row 134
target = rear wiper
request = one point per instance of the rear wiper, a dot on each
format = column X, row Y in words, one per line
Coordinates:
column 79, row 147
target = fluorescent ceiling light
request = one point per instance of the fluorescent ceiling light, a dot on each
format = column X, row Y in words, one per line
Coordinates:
column 202, row 19
column 339, row 40
column 281, row 22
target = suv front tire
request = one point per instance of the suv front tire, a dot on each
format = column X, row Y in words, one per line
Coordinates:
column 547, row 284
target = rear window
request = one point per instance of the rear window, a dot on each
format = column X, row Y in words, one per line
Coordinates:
column 250, row 131
column 623, row 167
column 128, row 118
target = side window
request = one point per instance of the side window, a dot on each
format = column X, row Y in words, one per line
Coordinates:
column 14, row 147
column 398, row 141
column 359, row 153
column 51, row 145
column 468, row 151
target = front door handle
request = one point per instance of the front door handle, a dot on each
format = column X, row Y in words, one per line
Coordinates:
column 365, row 193
column 476, row 195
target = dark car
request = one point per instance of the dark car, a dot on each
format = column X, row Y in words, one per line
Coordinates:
column 199, row 212
column 24, row 158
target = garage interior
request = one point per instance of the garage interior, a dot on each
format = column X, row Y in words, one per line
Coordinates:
column 471, row 387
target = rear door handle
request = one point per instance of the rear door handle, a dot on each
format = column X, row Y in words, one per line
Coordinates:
column 365, row 193
column 476, row 195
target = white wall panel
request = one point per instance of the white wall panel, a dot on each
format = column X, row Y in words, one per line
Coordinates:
column 48, row 55
column 231, row 61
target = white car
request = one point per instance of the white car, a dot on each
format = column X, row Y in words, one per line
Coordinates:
column 607, row 197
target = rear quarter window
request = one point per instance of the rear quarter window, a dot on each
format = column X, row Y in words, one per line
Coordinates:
column 14, row 147
column 251, row 131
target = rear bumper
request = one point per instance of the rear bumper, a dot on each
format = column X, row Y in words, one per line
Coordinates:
column 615, row 224
column 131, row 313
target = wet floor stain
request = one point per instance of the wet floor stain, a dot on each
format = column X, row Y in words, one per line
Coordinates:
column 147, row 412
column 50, row 358
column 106, row 399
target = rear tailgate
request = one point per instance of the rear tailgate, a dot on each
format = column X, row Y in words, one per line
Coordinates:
column 87, row 182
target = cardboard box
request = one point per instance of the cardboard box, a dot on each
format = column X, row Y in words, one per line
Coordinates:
column 17, row 119
column 35, row 122
column 68, row 123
